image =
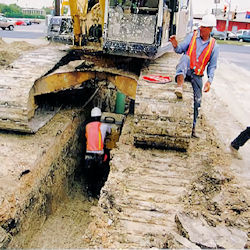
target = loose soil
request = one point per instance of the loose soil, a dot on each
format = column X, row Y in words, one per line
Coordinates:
column 10, row 52
column 65, row 227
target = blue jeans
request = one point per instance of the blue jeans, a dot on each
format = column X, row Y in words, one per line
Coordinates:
column 183, row 68
column 241, row 139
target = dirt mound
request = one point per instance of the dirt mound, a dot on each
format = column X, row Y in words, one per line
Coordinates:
column 215, row 192
column 10, row 52
column 22, row 45
column 6, row 58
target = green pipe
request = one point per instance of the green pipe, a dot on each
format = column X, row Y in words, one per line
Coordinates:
column 120, row 103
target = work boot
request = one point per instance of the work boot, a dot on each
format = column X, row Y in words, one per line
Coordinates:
column 179, row 92
column 235, row 152
column 194, row 135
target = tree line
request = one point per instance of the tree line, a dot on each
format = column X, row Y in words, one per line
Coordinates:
column 15, row 11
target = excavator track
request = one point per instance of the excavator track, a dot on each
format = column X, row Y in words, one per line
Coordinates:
column 17, row 104
column 162, row 121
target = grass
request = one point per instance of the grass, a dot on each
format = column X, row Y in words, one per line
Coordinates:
column 232, row 42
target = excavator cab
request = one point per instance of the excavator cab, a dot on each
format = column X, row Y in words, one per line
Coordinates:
column 141, row 28
column 60, row 29
column 134, row 27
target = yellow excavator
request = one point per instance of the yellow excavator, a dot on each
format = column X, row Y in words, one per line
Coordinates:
column 110, row 40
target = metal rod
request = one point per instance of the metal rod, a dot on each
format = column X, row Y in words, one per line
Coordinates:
column 57, row 7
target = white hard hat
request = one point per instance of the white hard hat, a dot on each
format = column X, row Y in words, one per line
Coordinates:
column 95, row 112
column 208, row 20
column 195, row 27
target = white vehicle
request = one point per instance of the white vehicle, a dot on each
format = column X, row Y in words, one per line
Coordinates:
column 231, row 35
column 6, row 23
column 240, row 33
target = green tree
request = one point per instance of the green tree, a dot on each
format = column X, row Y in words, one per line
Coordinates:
column 11, row 10
column 15, row 11
column 47, row 10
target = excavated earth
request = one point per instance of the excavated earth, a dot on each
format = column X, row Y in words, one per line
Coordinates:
column 43, row 203
column 9, row 52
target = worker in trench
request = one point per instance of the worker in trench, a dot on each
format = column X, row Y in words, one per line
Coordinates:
column 200, row 50
column 96, row 157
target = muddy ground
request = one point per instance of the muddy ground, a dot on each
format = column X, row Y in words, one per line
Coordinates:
column 212, row 191
column 219, row 189
column 65, row 227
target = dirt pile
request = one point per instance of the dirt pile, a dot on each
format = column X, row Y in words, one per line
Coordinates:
column 10, row 52
column 215, row 194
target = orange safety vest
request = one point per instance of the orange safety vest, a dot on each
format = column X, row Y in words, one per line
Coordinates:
column 199, row 65
column 94, row 136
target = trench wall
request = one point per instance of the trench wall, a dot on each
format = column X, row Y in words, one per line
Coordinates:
column 47, row 182
column 38, row 170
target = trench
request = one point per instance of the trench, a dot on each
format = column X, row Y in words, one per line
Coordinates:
column 58, row 212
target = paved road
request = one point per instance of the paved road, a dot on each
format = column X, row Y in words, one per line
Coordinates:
column 238, row 55
column 18, row 34
column 34, row 31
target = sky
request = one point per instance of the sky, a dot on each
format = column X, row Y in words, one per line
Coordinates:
column 199, row 6
column 30, row 3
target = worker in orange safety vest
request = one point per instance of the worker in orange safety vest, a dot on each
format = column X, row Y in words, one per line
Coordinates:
column 95, row 157
column 200, row 51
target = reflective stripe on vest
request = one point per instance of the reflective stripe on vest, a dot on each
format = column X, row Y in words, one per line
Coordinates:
column 199, row 65
column 94, row 136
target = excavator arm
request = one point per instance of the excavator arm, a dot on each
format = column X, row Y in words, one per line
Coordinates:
column 79, row 10
column 76, row 17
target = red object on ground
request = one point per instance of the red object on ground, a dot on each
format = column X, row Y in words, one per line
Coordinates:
column 156, row 78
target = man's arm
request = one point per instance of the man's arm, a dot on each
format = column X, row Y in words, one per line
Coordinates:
column 212, row 65
column 183, row 46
